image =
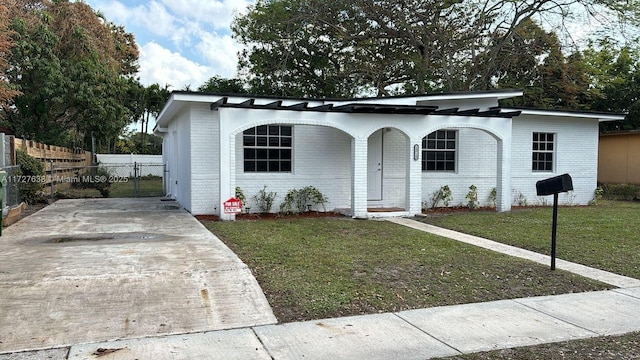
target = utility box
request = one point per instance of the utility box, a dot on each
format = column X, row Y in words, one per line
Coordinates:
column 554, row 185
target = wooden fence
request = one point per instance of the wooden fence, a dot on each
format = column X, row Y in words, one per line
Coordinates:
column 66, row 163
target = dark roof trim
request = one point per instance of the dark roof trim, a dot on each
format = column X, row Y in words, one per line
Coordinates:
column 512, row 92
column 360, row 108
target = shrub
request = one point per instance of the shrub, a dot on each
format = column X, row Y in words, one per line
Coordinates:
column 493, row 197
column 32, row 177
column 520, row 199
column 264, row 200
column 443, row 194
column 240, row 195
column 298, row 201
column 626, row 192
column 597, row 195
column 96, row 178
column 472, row 197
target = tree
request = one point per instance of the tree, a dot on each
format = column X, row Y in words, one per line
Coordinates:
column 218, row 84
column 615, row 79
column 139, row 143
column 349, row 47
column 6, row 43
column 148, row 104
column 74, row 70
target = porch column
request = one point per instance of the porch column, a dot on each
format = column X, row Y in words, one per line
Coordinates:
column 359, row 178
column 414, row 176
column 227, row 154
column 503, row 181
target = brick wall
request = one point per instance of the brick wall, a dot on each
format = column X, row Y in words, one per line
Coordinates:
column 321, row 158
column 205, row 182
column 576, row 153
column 476, row 165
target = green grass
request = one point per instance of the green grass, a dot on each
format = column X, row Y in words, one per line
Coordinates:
column 329, row 267
column 605, row 236
column 148, row 186
column 621, row 347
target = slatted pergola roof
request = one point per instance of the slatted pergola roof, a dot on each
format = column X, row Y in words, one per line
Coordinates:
column 364, row 108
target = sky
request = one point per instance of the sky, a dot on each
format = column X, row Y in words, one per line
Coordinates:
column 181, row 42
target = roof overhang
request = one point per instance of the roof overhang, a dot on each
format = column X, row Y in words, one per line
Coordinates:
column 601, row 117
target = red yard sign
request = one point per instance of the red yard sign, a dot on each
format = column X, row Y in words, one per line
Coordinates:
column 232, row 206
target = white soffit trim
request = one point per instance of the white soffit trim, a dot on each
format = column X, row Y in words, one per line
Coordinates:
column 601, row 117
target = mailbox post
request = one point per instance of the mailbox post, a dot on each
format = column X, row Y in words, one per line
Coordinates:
column 553, row 186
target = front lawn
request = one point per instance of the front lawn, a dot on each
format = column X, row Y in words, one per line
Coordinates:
column 605, row 236
column 331, row 267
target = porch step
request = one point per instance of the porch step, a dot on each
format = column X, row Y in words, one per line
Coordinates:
column 384, row 209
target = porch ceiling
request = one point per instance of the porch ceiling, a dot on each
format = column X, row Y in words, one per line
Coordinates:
column 363, row 108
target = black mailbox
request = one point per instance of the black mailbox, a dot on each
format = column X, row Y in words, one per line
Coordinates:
column 554, row 185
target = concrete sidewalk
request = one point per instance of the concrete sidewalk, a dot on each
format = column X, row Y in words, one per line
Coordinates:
column 415, row 334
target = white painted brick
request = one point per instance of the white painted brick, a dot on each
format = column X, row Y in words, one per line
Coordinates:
column 321, row 158
column 324, row 157
column 476, row 165
column 576, row 154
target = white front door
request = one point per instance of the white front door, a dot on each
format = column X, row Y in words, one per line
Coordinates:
column 374, row 166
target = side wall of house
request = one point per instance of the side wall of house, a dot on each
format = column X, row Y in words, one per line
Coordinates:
column 476, row 164
column 178, row 147
column 205, row 162
column 321, row 158
column 576, row 153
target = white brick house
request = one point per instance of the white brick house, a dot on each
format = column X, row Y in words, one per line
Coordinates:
column 392, row 152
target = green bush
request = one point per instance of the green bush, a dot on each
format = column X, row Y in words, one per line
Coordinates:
column 264, row 200
column 626, row 192
column 493, row 197
column 472, row 197
column 240, row 196
column 31, row 177
column 96, row 178
column 443, row 194
column 301, row 200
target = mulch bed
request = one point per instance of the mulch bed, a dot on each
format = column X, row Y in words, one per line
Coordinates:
column 272, row 216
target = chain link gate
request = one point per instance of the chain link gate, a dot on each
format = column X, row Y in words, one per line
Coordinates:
column 107, row 180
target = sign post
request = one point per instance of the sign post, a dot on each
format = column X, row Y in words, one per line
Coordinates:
column 553, row 186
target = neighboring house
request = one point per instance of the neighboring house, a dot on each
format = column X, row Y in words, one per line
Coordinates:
column 372, row 154
column 619, row 158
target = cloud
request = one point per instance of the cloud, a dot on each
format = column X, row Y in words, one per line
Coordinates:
column 152, row 16
column 215, row 14
column 221, row 52
column 164, row 67
column 181, row 42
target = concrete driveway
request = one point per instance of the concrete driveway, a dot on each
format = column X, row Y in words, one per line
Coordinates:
column 92, row 270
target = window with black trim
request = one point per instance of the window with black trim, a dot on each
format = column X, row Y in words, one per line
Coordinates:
column 439, row 151
column 543, row 149
column 267, row 148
